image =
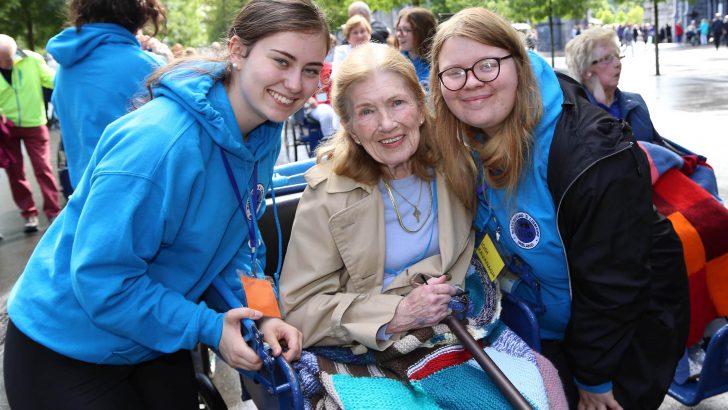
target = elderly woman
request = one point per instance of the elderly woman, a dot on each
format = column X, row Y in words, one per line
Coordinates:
column 357, row 31
column 415, row 28
column 380, row 247
column 563, row 193
column 594, row 60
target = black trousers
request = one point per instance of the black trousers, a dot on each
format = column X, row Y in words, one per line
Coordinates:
column 38, row 378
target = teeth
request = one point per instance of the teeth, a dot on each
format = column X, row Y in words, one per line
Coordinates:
column 280, row 98
column 391, row 140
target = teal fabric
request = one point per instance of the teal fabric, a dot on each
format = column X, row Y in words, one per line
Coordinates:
column 379, row 393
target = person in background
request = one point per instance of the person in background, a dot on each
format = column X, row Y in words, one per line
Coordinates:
column 415, row 28
column 319, row 106
column 110, row 302
column 102, row 67
column 717, row 29
column 704, row 30
column 357, row 31
column 22, row 110
column 379, row 32
column 564, row 193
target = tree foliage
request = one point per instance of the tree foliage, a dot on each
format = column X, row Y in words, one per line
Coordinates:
column 186, row 22
column 32, row 22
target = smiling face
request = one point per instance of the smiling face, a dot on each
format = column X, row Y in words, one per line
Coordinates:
column 274, row 77
column 385, row 120
column 478, row 104
column 358, row 35
column 607, row 72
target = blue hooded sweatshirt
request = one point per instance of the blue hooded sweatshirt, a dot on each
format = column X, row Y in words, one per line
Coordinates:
column 118, row 277
column 525, row 222
column 102, row 67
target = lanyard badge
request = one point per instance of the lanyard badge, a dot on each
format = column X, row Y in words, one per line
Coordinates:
column 264, row 298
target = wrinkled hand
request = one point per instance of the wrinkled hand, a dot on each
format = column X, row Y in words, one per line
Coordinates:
column 3, row 118
column 275, row 330
column 425, row 306
column 233, row 348
column 597, row 401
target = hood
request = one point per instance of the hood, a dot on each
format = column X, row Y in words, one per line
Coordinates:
column 196, row 87
column 71, row 45
column 551, row 95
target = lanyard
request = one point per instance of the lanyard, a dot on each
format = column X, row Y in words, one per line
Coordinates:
column 248, row 210
column 514, row 263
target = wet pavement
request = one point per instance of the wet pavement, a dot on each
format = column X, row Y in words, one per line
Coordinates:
column 688, row 103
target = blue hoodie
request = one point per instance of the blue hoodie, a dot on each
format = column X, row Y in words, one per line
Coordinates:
column 118, row 277
column 102, row 67
column 526, row 221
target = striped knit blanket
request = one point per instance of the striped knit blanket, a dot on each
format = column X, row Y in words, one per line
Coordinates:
column 680, row 192
column 429, row 369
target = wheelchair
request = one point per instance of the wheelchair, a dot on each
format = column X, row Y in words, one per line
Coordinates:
column 277, row 386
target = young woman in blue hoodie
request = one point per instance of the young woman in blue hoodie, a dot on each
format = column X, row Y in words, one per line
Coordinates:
column 111, row 299
column 564, row 214
column 102, row 67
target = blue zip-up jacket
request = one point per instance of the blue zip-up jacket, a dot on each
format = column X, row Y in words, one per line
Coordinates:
column 101, row 68
column 422, row 68
column 118, row 277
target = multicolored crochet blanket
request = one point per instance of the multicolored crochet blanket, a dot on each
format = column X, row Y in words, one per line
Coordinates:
column 429, row 369
column 701, row 222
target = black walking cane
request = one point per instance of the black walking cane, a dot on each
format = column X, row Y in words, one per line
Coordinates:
column 505, row 386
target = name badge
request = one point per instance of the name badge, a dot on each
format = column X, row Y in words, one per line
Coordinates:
column 490, row 258
column 260, row 296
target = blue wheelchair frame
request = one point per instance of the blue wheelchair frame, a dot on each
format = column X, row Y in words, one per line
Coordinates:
column 278, row 384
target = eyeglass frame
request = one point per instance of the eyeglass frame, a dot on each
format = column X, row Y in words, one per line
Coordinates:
column 607, row 59
column 403, row 30
column 472, row 70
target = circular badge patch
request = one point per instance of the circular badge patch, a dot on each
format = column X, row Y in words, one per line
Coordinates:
column 524, row 230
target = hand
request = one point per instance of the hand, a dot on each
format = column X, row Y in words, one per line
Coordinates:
column 3, row 118
column 158, row 47
column 233, row 348
column 425, row 306
column 597, row 401
column 275, row 330
column 312, row 103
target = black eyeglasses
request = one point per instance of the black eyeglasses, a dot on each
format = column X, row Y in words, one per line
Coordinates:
column 608, row 59
column 485, row 70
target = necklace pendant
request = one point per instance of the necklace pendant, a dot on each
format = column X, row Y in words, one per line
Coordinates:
column 416, row 213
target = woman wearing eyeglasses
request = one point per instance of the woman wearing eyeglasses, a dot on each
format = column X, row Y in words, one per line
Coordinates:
column 563, row 196
column 415, row 28
column 593, row 59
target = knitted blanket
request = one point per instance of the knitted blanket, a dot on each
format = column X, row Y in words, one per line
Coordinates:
column 701, row 223
column 428, row 368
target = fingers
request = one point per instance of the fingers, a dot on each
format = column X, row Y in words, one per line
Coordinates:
column 243, row 313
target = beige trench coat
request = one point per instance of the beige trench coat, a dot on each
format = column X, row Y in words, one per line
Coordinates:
column 331, row 282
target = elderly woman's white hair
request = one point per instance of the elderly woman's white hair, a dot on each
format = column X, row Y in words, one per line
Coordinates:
column 580, row 50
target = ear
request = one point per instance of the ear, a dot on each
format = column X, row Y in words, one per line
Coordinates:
column 237, row 50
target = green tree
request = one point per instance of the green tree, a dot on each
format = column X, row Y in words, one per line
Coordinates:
column 635, row 15
column 186, row 22
column 32, row 22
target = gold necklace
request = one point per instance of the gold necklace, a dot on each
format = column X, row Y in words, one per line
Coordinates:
column 416, row 213
column 396, row 208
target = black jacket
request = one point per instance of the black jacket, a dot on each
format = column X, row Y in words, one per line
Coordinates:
column 630, row 301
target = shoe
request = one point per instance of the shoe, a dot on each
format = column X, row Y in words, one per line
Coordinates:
column 31, row 224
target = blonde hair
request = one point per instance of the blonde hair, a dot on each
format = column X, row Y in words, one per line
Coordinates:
column 354, row 21
column 350, row 159
column 505, row 155
column 580, row 49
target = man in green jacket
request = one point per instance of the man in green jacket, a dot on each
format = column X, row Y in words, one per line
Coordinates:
column 24, row 73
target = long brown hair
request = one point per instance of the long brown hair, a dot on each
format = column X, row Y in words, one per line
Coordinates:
column 423, row 24
column 256, row 20
column 505, row 155
column 350, row 159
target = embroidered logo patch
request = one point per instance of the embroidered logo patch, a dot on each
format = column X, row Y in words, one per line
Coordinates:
column 524, row 230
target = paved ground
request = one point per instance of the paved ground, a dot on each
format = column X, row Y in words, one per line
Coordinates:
column 688, row 104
